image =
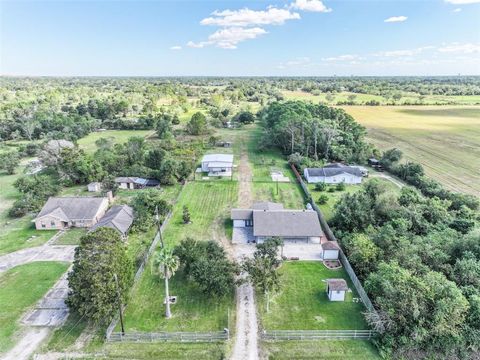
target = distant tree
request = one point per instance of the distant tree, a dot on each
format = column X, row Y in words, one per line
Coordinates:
column 245, row 117
column 155, row 157
column 145, row 204
column 93, row 291
column 351, row 98
column 109, row 184
column 9, row 162
column 165, row 264
column 197, row 124
column 186, row 215
column 262, row 269
column 164, row 127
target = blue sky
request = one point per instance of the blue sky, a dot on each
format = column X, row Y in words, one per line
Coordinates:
column 235, row 38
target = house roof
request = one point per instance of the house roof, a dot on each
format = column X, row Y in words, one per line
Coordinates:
column 267, row 205
column 241, row 214
column 330, row 245
column 334, row 170
column 219, row 163
column 246, row 214
column 286, row 223
column 72, row 208
column 119, row 217
column 228, row 158
column 126, row 179
column 337, row 284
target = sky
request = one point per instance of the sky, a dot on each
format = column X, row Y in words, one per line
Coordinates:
column 239, row 38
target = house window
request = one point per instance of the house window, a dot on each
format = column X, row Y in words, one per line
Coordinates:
column 43, row 225
column 52, row 223
column 249, row 223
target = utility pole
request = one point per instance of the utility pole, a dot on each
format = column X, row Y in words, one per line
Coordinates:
column 119, row 303
column 277, row 186
column 159, row 226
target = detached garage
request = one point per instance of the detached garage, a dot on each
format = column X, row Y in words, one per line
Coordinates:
column 330, row 250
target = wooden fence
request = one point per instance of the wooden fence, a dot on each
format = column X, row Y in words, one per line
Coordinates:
column 329, row 233
column 317, row 334
column 169, row 336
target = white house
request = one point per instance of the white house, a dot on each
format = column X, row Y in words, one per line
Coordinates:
column 330, row 250
column 133, row 182
column 218, row 164
column 336, row 289
column 266, row 220
column 334, row 174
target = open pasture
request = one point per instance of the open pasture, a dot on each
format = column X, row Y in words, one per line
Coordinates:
column 116, row 136
column 445, row 140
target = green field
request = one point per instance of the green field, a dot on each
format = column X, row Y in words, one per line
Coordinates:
column 8, row 193
column 116, row 136
column 325, row 350
column 71, row 237
column 20, row 288
column 302, row 303
column 20, row 234
column 445, row 140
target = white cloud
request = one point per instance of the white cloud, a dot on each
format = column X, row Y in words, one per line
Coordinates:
column 395, row 19
column 405, row 52
column 176, row 47
column 247, row 17
column 228, row 38
column 457, row 10
column 462, row 2
column 458, row 48
column 346, row 57
column 310, row 5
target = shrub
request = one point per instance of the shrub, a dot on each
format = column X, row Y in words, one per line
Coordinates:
column 340, row 186
column 322, row 199
column 331, row 189
column 321, row 186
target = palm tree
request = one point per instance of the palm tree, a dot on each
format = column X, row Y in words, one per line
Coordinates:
column 165, row 265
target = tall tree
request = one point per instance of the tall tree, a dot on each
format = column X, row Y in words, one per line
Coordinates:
column 165, row 265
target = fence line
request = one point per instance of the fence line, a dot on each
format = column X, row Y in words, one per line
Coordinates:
column 317, row 334
column 329, row 233
column 170, row 336
column 141, row 268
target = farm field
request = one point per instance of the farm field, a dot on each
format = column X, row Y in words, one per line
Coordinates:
column 20, row 288
column 117, row 136
column 445, row 140
column 302, row 302
column 325, row 350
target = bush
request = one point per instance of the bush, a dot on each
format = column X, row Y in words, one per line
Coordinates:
column 331, row 189
column 321, row 186
column 340, row 186
column 322, row 199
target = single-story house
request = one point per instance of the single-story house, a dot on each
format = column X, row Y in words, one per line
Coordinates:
column 336, row 289
column 132, row 182
column 271, row 220
column 331, row 250
column 218, row 164
column 334, row 174
column 64, row 212
column 94, row 187
column 119, row 217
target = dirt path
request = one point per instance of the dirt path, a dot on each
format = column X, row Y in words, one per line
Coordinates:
column 246, row 335
column 396, row 182
column 27, row 345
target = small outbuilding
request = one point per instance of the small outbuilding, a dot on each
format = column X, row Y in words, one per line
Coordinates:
column 331, row 250
column 94, row 187
column 336, row 289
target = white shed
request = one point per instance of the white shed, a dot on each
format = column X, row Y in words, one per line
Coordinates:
column 94, row 187
column 331, row 250
column 336, row 289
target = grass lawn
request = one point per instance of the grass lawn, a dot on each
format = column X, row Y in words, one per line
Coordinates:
column 327, row 350
column 333, row 197
column 8, row 194
column 71, row 237
column 21, row 234
column 289, row 194
column 20, row 288
column 209, row 204
column 302, row 303
column 445, row 140
column 117, row 136
column 67, row 334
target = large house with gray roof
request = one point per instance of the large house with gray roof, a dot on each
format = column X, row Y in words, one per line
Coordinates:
column 65, row 212
column 265, row 220
column 217, row 164
column 334, row 174
column 119, row 217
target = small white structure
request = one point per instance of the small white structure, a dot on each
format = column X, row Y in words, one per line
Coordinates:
column 334, row 174
column 218, row 164
column 94, row 187
column 330, row 250
column 336, row 289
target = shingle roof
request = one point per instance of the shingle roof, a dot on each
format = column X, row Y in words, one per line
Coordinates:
column 241, row 214
column 246, row 214
column 119, row 217
column 267, row 205
column 228, row 158
column 286, row 223
column 332, row 171
column 337, row 284
column 72, row 208
column 330, row 245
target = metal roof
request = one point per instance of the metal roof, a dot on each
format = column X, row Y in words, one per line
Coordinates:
column 286, row 223
column 218, row 158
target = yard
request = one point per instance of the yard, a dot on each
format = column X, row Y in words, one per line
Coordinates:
column 20, row 288
column 20, row 234
column 326, row 350
column 302, row 303
column 71, row 236
column 117, row 136
column 445, row 140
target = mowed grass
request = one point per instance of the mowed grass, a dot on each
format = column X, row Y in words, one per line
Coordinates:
column 116, row 136
column 288, row 194
column 302, row 302
column 20, row 234
column 71, row 236
column 445, row 140
column 8, row 193
column 20, row 288
column 326, row 350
